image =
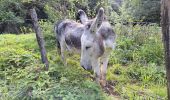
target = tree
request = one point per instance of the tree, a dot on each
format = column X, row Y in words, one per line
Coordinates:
column 165, row 22
column 138, row 10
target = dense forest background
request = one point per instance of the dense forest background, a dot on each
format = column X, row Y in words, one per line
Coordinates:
column 14, row 14
column 136, row 67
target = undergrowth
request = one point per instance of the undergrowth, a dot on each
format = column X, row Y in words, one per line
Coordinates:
column 22, row 76
column 137, row 65
column 135, row 68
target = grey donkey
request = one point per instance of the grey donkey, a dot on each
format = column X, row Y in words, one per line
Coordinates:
column 94, row 39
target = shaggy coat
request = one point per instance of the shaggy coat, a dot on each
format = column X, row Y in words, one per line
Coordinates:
column 94, row 39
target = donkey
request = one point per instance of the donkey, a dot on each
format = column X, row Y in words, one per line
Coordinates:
column 94, row 39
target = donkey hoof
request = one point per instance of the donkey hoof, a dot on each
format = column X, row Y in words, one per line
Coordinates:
column 65, row 63
column 97, row 80
column 103, row 83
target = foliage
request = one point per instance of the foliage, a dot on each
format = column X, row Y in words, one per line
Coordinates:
column 22, row 75
column 137, row 11
column 135, row 67
column 138, row 62
column 139, row 43
column 11, row 11
column 16, row 12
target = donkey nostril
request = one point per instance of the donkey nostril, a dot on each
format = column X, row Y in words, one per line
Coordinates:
column 89, row 68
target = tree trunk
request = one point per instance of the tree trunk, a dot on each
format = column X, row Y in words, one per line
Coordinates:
column 39, row 37
column 165, row 22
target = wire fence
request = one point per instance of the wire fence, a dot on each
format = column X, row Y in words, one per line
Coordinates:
column 142, row 23
column 25, row 23
column 13, row 21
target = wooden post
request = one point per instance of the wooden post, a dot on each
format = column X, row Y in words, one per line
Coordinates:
column 165, row 23
column 39, row 37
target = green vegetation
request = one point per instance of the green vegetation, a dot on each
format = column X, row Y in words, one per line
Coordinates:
column 22, row 75
column 14, row 14
column 137, row 63
column 136, row 67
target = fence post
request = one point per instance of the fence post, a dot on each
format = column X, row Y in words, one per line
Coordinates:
column 39, row 37
column 165, row 23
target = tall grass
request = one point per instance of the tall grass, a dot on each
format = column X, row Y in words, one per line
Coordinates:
column 137, row 64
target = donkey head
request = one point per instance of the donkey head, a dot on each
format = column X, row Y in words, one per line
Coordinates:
column 91, row 42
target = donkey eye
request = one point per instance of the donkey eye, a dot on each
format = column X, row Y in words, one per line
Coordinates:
column 88, row 26
column 87, row 47
column 98, row 24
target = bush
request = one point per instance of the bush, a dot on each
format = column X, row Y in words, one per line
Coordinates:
column 138, row 43
column 136, row 11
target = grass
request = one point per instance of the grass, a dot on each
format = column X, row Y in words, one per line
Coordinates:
column 136, row 69
column 22, row 76
column 137, row 64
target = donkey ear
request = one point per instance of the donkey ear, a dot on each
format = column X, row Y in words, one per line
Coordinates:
column 98, row 20
column 82, row 16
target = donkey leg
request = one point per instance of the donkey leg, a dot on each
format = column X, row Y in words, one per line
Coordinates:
column 104, row 63
column 96, row 71
column 63, row 52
